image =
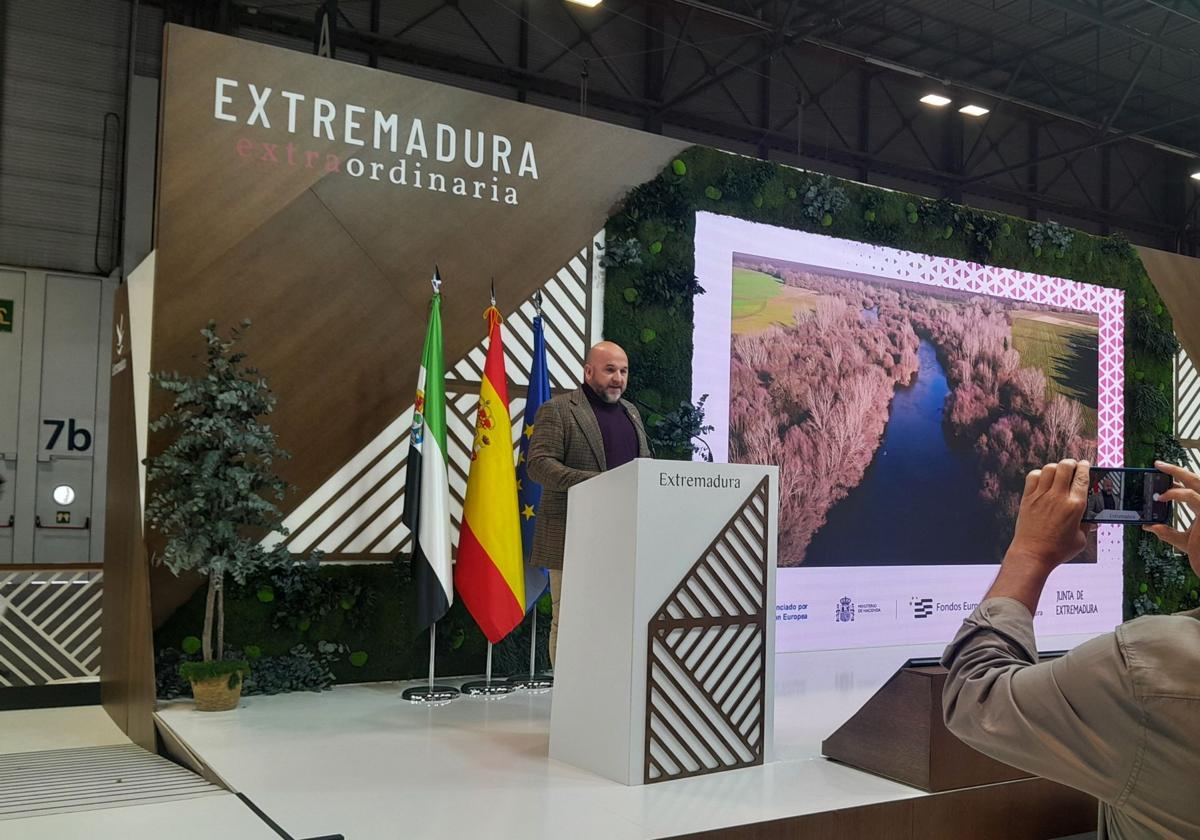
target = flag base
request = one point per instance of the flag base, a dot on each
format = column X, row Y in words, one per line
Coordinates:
column 532, row 682
column 486, row 688
column 430, row 695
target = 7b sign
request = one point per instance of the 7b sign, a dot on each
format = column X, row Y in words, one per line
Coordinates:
column 78, row 439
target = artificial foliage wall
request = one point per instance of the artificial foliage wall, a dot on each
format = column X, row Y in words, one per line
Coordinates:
column 307, row 628
column 651, row 282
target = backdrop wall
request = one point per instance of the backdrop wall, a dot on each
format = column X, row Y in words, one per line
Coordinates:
column 314, row 197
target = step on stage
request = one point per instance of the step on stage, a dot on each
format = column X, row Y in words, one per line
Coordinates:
column 360, row 762
column 69, row 773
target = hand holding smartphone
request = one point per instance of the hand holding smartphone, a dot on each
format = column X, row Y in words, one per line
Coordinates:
column 1127, row 496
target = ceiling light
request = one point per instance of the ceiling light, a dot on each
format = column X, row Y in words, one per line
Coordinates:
column 591, row 4
column 936, row 100
column 1196, row 175
column 973, row 110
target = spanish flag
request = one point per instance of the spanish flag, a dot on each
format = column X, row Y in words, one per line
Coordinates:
column 489, row 574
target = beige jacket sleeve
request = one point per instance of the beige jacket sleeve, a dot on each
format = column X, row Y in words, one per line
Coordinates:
column 546, row 461
column 1073, row 720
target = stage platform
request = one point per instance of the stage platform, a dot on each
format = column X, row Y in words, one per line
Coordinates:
column 70, row 773
column 361, row 762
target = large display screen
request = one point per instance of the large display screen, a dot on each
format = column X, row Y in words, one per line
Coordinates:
column 903, row 397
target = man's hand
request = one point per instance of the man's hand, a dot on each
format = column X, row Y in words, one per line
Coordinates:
column 1050, row 531
column 1186, row 491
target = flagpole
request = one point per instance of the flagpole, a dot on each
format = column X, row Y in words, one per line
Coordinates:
column 430, row 694
column 432, row 651
column 490, row 467
column 533, row 645
column 533, row 681
column 486, row 688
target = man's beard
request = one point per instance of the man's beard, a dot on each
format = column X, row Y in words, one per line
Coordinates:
column 604, row 394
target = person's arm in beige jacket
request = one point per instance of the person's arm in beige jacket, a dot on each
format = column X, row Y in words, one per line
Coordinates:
column 1081, row 719
column 1074, row 720
column 1070, row 720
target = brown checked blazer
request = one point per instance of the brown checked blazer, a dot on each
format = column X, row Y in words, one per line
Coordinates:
column 566, row 449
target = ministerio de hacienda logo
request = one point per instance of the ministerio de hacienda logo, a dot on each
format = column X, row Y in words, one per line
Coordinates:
column 844, row 610
column 417, row 152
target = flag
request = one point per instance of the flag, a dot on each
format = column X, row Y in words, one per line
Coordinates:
column 489, row 573
column 529, row 492
column 427, row 489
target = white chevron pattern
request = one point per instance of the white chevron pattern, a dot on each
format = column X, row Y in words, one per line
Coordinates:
column 49, row 626
column 358, row 509
column 1187, row 420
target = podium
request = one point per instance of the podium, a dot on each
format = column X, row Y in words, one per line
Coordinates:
column 666, row 640
column 899, row 734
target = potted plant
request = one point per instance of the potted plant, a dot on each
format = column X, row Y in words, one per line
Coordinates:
column 209, row 496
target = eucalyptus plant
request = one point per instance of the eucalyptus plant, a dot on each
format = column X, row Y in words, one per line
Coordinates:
column 211, row 489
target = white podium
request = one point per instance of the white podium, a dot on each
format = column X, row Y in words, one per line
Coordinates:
column 666, row 641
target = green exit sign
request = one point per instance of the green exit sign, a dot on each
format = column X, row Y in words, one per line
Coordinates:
column 6, row 315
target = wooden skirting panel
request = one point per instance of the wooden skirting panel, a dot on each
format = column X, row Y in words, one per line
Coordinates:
column 1030, row 809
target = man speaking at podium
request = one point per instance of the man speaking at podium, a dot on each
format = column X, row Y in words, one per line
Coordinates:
column 576, row 436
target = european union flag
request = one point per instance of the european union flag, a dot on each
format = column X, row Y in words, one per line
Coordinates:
column 529, row 493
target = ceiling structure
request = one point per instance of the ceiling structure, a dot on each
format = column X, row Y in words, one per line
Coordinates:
column 1092, row 118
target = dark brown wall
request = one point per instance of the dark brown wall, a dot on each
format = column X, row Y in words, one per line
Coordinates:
column 126, row 638
column 1177, row 280
column 333, row 270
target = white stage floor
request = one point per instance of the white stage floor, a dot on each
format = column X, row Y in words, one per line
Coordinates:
column 361, row 762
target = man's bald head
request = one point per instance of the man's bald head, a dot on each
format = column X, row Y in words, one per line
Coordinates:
column 600, row 352
column 606, row 371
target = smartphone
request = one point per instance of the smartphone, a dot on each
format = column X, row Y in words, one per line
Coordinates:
column 1128, row 496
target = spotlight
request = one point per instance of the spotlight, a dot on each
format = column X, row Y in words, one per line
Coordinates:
column 936, row 100
column 973, row 110
column 591, row 4
column 1196, row 176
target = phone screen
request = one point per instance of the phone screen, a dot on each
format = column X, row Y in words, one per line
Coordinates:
column 1127, row 496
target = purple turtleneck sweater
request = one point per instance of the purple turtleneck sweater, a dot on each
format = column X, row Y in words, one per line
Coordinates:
column 616, row 429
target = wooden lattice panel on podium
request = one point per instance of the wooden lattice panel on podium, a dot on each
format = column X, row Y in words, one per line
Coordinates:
column 706, row 659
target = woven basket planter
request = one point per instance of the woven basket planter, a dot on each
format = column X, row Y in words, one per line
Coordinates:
column 218, row 694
